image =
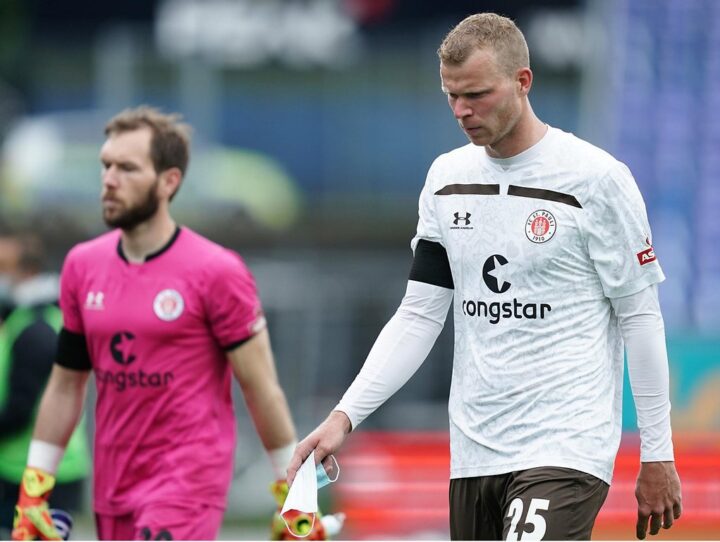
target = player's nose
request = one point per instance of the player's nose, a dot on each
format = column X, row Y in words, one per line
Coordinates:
column 461, row 109
column 109, row 177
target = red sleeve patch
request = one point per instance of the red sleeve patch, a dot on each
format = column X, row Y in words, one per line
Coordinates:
column 646, row 256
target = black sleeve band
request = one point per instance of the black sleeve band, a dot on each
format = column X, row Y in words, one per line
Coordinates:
column 431, row 265
column 234, row 345
column 72, row 351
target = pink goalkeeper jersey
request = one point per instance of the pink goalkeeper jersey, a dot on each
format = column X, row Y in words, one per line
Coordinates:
column 157, row 334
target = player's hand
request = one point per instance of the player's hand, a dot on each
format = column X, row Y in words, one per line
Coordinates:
column 32, row 516
column 299, row 522
column 658, row 495
column 325, row 440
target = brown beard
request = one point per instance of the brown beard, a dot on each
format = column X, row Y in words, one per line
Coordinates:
column 136, row 215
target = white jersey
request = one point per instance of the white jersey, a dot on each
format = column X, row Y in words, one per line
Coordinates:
column 537, row 245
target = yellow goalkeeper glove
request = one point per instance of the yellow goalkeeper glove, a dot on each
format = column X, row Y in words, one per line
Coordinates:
column 32, row 516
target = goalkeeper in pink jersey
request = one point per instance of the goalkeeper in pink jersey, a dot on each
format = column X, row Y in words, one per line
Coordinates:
column 163, row 317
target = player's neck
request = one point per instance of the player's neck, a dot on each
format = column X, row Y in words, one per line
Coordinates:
column 148, row 237
column 526, row 133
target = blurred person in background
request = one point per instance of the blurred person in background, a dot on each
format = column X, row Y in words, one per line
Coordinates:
column 543, row 241
column 163, row 317
column 28, row 342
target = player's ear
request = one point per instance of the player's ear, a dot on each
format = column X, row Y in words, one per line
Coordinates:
column 524, row 78
column 170, row 180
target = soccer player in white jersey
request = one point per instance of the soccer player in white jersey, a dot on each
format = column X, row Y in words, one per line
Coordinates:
column 543, row 242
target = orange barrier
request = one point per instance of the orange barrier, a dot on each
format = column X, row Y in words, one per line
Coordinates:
column 395, row 485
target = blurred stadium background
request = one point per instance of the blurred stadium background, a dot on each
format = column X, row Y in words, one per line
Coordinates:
column 315, row 122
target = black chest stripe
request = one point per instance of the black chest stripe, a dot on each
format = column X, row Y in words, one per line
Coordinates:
column 540, row 193
column 473, row 189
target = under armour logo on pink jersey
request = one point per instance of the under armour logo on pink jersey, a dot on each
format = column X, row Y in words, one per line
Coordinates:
column 95, row 301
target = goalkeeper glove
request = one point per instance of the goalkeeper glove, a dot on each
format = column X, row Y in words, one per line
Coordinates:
column 32, row 517
column 299, row 522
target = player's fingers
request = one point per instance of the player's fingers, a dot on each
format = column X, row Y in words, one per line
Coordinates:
column 656, row 522
column 667, row 518
column 323, row 451
column 677, row 509
column 291, row 471
column 330, row 466
column 302, row 451
column 642, row 524
column 295, row 463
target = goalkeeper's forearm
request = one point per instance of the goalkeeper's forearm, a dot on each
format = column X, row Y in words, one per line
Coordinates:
column 254, row 367
column 61, row 406
column 399, row 350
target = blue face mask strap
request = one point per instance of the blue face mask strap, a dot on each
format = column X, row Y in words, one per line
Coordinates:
column 322, row 477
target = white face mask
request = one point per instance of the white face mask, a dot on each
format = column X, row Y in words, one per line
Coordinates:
column 302, row 495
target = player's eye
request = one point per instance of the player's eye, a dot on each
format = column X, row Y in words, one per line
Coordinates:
column 476, row 95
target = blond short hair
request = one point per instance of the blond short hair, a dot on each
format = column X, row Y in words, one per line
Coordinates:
column 486, row 31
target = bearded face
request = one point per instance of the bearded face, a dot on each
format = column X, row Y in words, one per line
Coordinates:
column 126, row 216
column 130, row 184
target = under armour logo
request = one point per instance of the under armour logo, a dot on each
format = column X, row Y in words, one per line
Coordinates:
column 465, row 219
column 95, row 301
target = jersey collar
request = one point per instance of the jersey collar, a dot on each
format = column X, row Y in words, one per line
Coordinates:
column 152, row 255
column 526, row 155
